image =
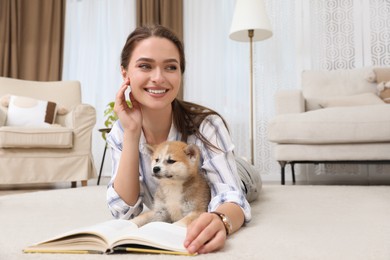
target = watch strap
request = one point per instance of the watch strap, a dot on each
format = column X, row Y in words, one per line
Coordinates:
column 226, row 222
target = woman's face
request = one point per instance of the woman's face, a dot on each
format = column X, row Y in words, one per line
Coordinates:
column 154, row 72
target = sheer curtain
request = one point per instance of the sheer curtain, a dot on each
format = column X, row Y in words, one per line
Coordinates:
column 95, row 31
column 217, row 73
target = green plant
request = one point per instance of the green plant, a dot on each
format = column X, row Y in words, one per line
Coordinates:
column 110, row 116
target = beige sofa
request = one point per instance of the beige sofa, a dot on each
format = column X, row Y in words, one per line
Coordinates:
column 336, row 117
column 57, row 152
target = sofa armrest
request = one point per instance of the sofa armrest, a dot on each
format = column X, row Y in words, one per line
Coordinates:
column 288, row 101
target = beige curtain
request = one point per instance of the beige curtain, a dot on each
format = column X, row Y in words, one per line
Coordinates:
column 168, row 13
column 31, row 39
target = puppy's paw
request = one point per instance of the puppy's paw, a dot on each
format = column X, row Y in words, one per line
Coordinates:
column 180, row 223
column 139, row 221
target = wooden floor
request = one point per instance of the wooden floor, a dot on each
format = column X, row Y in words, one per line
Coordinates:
column 23, row 188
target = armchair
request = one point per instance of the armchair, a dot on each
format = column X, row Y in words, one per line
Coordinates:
column 57, row 152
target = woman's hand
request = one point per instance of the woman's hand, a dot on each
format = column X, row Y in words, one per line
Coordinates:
column 205, row 234
column 130, row 118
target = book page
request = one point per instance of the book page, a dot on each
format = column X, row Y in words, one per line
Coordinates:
column 107, row 231
column 157, row 234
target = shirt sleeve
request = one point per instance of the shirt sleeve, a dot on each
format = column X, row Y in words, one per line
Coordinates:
column 220, row 167
column 117, row 206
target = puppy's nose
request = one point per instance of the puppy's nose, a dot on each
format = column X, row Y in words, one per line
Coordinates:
column 156, row 169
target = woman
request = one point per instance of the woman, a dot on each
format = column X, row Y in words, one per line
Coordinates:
column 152, row 63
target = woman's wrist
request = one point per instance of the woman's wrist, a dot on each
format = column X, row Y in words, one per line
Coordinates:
column 225, row 221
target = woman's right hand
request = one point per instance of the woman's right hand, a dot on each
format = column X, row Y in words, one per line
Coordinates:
column 130, row 118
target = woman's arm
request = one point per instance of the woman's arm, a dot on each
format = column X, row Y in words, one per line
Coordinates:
column 119, row 207
column 126, row 182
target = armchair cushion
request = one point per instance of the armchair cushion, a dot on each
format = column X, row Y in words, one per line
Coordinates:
column 26, row 111
column 29, row 137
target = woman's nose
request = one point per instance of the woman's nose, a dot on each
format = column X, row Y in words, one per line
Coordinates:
column 158, row 76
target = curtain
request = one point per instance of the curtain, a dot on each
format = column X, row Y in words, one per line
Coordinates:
column 95, row 33
column 31, row 39
column 165, row 12
column 168, row 13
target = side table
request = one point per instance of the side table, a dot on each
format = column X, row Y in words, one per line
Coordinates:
column 104, row 131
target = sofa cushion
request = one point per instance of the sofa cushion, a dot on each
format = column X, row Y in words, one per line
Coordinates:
column 353, row 100
column 365, row 124
column 27, row 137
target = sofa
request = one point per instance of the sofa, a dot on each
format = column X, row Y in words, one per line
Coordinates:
column 338, row 116
column 45, row 133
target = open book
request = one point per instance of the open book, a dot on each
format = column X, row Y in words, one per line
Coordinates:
column 117, row 236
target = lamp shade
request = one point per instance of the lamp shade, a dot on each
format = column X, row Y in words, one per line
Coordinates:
column 250, row 15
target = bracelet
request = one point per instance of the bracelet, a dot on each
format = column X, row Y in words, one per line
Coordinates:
column 226, row 222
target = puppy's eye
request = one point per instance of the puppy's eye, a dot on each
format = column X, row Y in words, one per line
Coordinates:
column 157, row 159
column 170, row 161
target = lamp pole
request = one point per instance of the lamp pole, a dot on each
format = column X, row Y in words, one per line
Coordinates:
column 250, row 35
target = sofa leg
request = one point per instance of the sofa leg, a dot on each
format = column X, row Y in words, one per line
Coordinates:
column 73, row 184
column 282, row 168
column 293, row 171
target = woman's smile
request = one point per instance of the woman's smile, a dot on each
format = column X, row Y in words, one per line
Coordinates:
column 156, row 91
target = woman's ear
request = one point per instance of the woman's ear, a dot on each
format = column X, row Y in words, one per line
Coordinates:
column 124, row 73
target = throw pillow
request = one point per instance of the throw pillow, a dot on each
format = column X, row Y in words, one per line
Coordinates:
column 382, row 74
column 26, row 111
column 353, row 100
column 384, row 91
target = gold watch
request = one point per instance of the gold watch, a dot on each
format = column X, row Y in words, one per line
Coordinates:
column 226, row 222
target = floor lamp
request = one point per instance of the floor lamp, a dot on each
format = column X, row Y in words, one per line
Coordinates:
column 250, row 23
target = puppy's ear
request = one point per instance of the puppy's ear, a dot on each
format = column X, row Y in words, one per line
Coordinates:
column 150, row 149
column 192, row 151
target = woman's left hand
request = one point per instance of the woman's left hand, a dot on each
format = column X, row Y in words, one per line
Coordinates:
column 205, row 234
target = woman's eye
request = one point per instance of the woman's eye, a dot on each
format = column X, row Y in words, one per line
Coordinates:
column 145, row 66
column 170, row 161
column 171, row 67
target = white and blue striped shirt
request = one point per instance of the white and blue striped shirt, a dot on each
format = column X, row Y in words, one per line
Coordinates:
column 219, row 168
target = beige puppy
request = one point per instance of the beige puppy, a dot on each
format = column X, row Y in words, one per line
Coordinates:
column 182, row 193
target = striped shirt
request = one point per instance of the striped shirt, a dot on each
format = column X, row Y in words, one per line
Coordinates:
column 219, row 167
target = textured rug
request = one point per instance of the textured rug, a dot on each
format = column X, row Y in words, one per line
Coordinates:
column 289, row 222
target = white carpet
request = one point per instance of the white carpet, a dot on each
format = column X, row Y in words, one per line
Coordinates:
column 289, row 222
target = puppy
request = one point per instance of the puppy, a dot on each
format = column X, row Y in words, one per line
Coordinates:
column 182, row 193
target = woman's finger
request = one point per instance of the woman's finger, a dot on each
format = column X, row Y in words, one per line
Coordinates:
column 216, row 243
column 208, row 228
